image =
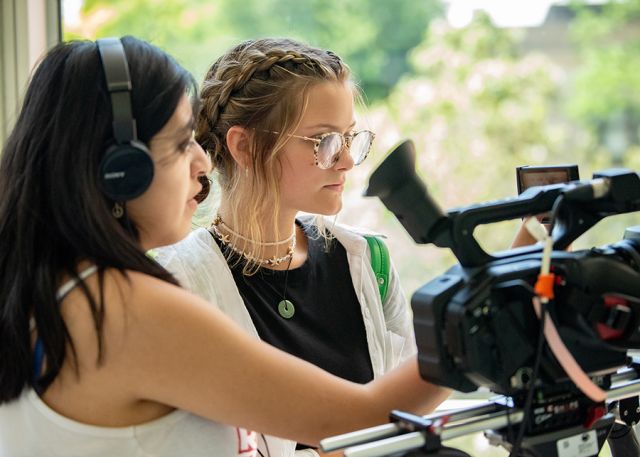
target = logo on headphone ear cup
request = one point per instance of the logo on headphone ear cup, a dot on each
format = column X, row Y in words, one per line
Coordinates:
column 126, row 171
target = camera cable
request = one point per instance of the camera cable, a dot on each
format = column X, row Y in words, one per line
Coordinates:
column 544, row 289
column 515, row 449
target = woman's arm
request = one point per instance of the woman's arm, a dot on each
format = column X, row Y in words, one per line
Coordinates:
column 180, row 351
column 523, row 237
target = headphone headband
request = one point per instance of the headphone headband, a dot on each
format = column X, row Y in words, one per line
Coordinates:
column 116, row 72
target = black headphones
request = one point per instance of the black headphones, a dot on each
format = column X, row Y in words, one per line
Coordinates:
column 126, row 170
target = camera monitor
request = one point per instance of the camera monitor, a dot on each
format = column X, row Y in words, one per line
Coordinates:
column 529, row 176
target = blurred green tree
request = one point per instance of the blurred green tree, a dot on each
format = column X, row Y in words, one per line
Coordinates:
column 373, row 37
column 476, row 108
column 605, row 97
column 483, row 108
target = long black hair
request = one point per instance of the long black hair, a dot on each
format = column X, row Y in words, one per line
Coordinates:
column 52, row 212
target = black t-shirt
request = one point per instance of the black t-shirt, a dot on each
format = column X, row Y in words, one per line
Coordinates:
column 326, row 328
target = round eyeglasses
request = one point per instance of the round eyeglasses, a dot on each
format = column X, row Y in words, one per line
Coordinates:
column 328, row 146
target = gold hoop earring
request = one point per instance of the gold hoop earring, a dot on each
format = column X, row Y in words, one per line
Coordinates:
column 117, row 211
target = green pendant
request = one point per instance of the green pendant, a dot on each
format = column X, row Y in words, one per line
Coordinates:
column 286, row 309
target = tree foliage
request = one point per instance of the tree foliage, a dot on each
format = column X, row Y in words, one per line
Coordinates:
column 373, row 37
column 474, row 103
column 605, row 96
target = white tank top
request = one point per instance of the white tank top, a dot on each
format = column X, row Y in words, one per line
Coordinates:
column 28, row 428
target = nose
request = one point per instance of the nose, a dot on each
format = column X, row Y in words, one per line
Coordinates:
column 345, row 161
column 201, row 164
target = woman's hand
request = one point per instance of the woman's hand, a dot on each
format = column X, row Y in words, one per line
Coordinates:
column 523, row 237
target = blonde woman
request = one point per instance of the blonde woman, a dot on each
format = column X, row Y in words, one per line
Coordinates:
column 277, row 118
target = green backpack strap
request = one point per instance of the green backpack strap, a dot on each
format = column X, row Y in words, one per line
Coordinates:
column 380, row 263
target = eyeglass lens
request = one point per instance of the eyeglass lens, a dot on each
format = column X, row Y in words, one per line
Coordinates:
column 331, row 146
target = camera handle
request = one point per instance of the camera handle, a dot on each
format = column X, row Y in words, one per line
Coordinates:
column 578, row 206
column 401, row 190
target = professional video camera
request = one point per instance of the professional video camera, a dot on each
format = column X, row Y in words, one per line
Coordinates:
column 484, row 324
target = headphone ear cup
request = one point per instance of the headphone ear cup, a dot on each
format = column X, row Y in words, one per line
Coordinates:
column 126, row 171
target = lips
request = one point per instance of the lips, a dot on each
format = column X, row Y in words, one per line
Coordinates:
column 336, row 186
column 338, row 183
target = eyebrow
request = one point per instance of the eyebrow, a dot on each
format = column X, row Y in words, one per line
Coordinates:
column 186, row 128
column 329, row 126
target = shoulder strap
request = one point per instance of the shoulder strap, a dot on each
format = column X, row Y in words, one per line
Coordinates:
column 379, row 263
column 61, row 293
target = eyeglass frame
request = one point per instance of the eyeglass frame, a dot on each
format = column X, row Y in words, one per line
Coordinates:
column 346, row 141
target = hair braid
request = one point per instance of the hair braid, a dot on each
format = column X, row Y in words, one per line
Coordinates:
column 224, row 80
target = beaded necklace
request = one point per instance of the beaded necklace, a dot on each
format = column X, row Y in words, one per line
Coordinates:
column 226, row 240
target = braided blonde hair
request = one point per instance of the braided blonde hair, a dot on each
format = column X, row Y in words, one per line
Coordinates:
column 261, row 85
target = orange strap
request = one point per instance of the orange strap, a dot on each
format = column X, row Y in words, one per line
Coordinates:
column 544, row 285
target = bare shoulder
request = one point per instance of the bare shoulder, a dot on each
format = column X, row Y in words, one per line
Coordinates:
column 115, row 288
column 133, row 291
column 128, row 304
column 146, row 296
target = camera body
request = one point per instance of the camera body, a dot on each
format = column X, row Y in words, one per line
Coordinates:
column 476, row 325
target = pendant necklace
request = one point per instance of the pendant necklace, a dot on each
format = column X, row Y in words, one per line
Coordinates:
column 285, row 307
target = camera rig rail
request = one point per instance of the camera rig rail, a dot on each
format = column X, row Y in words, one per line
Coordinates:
column 407, row 434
